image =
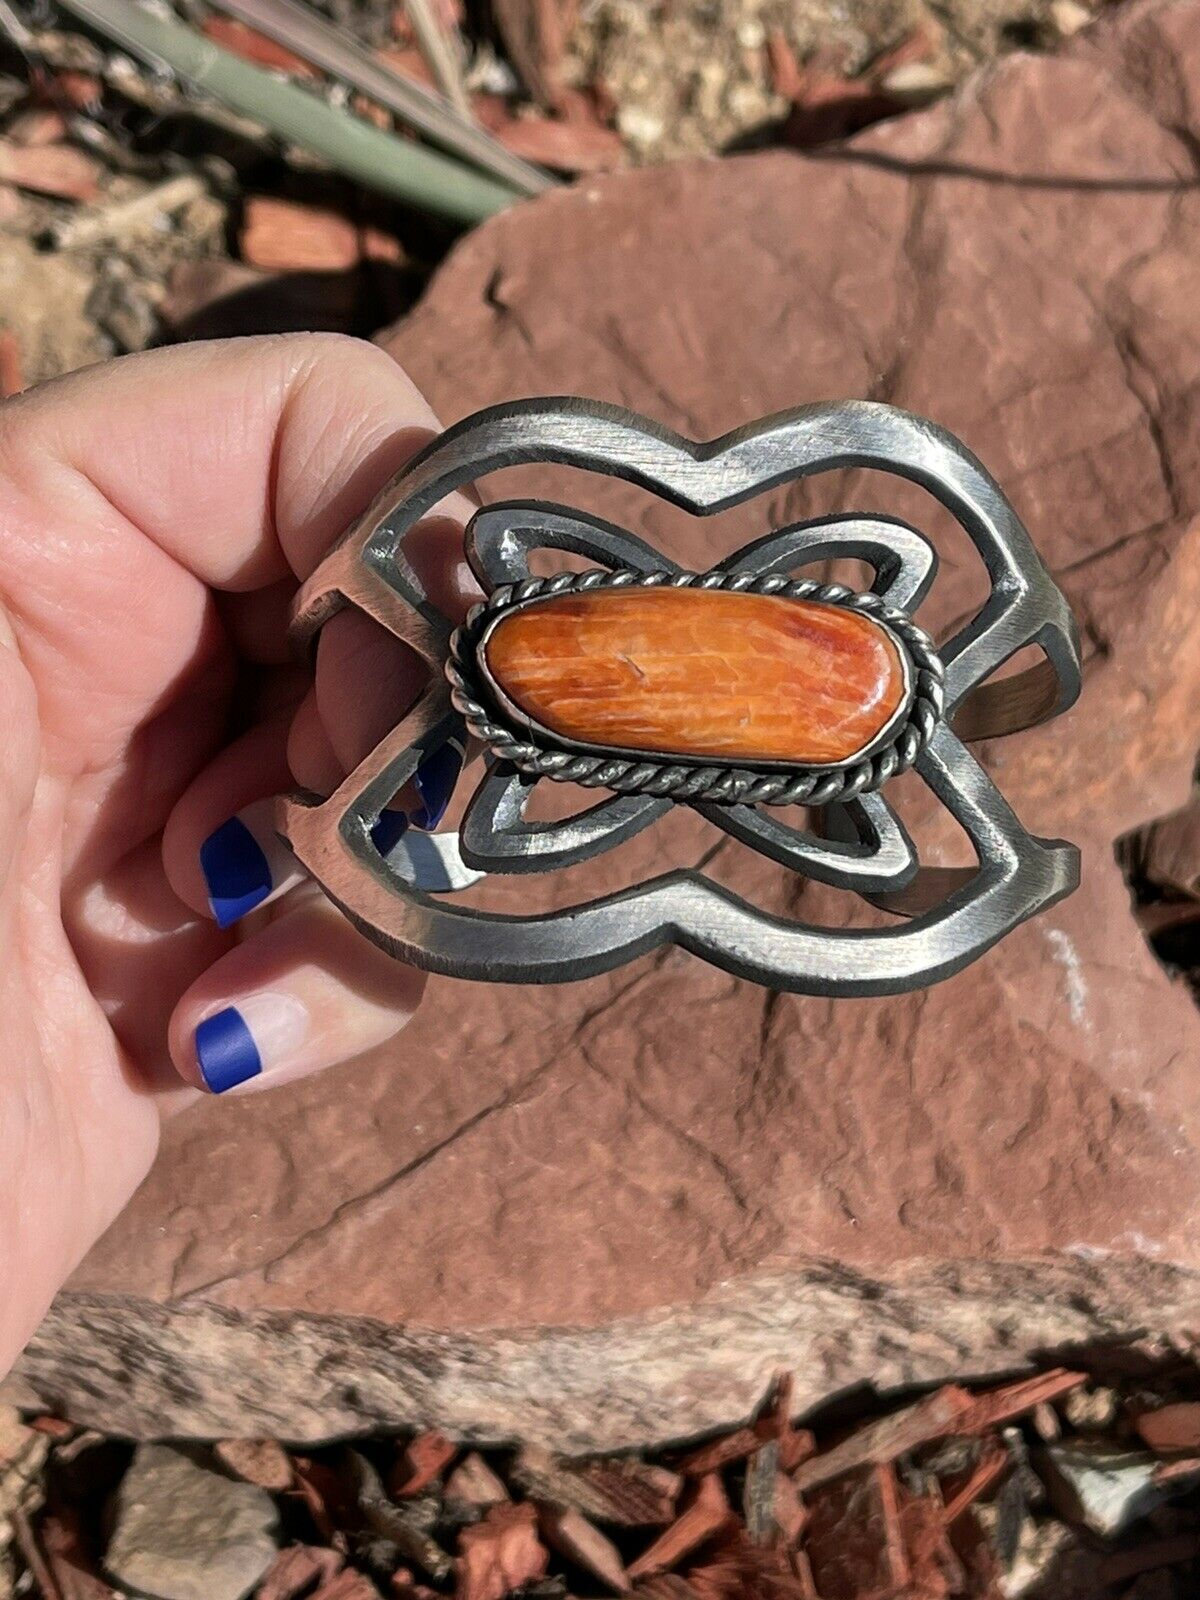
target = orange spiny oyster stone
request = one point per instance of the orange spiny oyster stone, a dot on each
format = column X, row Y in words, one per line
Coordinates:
column 704, row 674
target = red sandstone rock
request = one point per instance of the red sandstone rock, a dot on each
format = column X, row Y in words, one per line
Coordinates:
column 700, row 673
column 607, row 1213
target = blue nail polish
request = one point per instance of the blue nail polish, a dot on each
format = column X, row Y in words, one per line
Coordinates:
column 226, row 1051
column 390, row 827
column 435, row 779
column 236, row 872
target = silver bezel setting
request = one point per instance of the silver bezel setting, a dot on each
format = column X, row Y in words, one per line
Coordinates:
column 539, row 752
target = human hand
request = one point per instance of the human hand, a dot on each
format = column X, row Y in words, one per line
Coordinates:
column 157, row 513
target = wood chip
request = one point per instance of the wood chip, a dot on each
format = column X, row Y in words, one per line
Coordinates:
column 316, row 1486
column 934, row 1568
column 795, row 1446
column 75, row 1575
column 787, row 78
column 625, row 1492
column 402, row 1525
column 789, row 1510
column 667, row 1586
column 36, row 126
column 475, row 1484
column 409, row 63
column 403, row 1586
column 570, row 1533
column 247, row 42
column 534, row 35
column 758, row 1494
column 1171, row 1427
column 81, row 90
column 376, row 244
column 735, row 1569
column 774, row 1423
column 31, row 1552
column 802, row 1567
column 994, row 1461
column 57, row 170
column 565, row 146
column 707, row 1515
column 916, row 46
column 499, row 1554
column 421, row 1462
column 997, row 1406
column 1150, row 1555
column 347, row 1585
column 885, row 1438
column 298, row 1569
column 1046, row 1423
column 720, row 1453
column 854, row 1540
column 1179, row 1470
column 283, row 236
column 259, row 1461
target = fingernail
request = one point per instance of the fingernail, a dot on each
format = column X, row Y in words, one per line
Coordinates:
column 226, row 1052
column 390, row 827
column 434, row 780
column 258, row 1037
column 245, row 863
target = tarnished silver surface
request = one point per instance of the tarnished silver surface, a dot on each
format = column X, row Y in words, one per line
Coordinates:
column 956, row 914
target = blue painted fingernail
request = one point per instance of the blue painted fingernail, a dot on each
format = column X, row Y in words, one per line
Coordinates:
column 236, row 871
column 390, row 827
column 435, row 779
column 225, row 1051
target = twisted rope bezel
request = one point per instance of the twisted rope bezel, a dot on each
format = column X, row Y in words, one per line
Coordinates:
column 680, row 779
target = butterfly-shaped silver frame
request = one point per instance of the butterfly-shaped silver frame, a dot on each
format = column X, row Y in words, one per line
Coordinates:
column 954, row 914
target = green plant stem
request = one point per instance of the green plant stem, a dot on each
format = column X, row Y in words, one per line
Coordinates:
column 382, row 162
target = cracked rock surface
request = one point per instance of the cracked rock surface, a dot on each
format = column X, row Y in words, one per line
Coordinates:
column 606, row 1212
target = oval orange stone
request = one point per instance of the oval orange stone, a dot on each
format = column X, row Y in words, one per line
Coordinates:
column 705, row 674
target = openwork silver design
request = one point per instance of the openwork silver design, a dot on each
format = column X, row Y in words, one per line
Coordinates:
column 951, row 915
column 894, row 751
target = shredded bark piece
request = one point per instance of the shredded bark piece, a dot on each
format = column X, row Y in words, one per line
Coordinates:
column 73, row 1573
column 789, row 1510
column 854, row 1540
column 570, row 1533
column 720, row 1453
column 475, row 1484
column 707, row 1515
column 628, row 1493
column 348, row 1585
column 1149, row 1556
column 316, row 1485
column 758, row 1494
column 998, row 1406
column 296, row 1570
column 421, row 1463
column 666, row 1586
column 885, row 1438
column 735, row 1569
column 1171, row 1427
column 499, row 1554
column 1172, row 1471
column 993, row 1463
